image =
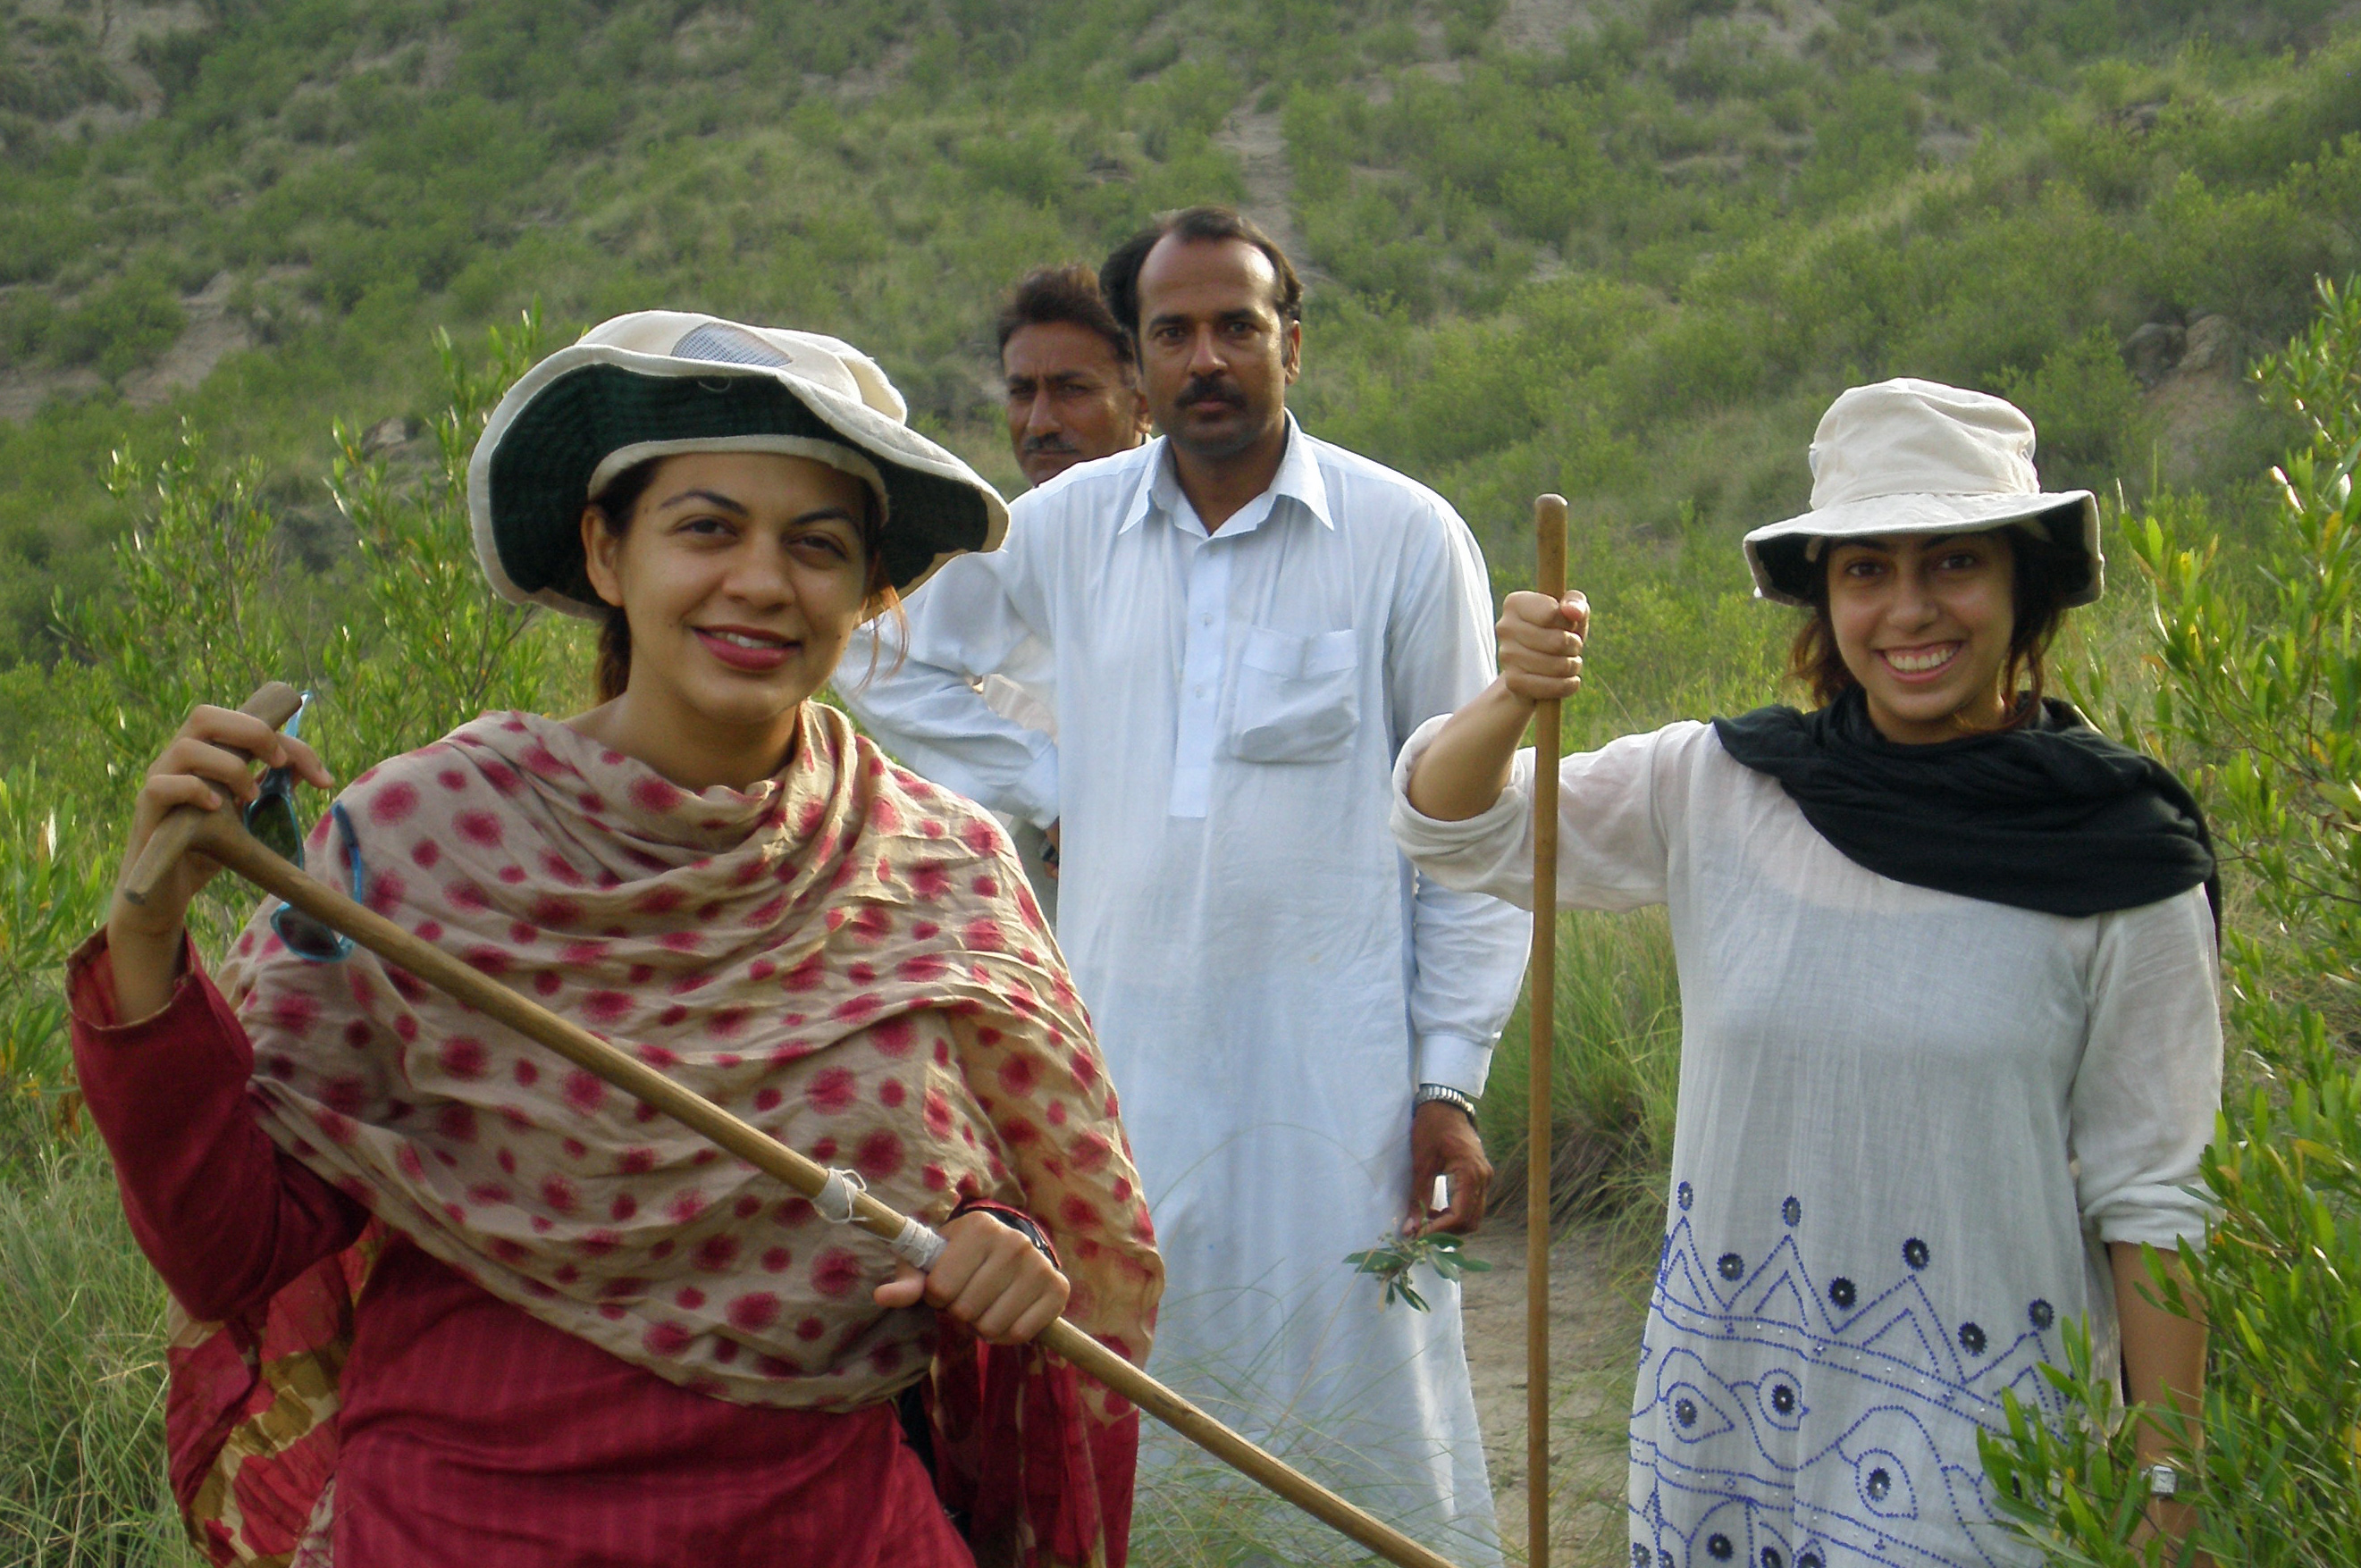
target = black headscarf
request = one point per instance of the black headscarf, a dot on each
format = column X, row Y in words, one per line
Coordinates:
column 2050, row 816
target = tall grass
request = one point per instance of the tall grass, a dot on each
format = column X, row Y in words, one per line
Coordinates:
column 1194, row 1512
column 1613, row 1075
column 82, row 1375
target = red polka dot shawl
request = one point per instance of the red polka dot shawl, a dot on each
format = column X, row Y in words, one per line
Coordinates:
column 844, row 956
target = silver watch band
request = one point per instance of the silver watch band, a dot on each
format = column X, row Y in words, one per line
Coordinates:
column 1430, row 1092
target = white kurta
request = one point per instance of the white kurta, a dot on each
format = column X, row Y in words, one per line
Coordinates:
column 1267, row 977
column 1908, row 1122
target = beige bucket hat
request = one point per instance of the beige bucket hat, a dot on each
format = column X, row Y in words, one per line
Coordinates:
column 658, row 382
column 1909, row 456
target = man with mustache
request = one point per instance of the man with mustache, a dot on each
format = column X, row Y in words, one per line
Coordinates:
column 1073, row 389
column 1241, row 626
column 1073, row 395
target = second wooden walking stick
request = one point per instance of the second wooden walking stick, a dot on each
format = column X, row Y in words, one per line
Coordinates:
column 1549, row 527
column 223, row 835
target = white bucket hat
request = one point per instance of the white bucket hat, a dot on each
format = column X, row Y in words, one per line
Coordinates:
column 1907, row 456
column 659, row 382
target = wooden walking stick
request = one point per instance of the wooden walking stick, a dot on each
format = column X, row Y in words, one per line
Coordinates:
column 222, row 835
column 1549, row 526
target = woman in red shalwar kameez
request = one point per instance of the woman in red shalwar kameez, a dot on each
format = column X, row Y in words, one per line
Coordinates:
column 447, row 1299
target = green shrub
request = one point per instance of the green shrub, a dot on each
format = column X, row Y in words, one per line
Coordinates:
column 51, row 66
column 411, row 643
column 1870, row 137
column 122, row 326
column 2087, row 408
column 195, row 614
column 28, row 321
column 2257, row 697
column 375, row 171
column 2260, row 686
column 54, row 879
column 426, row 645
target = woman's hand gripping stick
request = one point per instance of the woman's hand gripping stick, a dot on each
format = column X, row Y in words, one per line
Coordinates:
column 274, row 704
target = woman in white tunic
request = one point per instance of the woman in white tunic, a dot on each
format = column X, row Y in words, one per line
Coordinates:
column 1951, row 1032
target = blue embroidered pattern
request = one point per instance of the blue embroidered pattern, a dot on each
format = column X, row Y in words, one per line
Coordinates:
column 1729, row 1464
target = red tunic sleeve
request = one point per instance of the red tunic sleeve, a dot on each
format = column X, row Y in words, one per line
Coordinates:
column 227, row 1217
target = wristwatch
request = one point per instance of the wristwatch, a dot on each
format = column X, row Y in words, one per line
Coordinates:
column 2163, row 1480
column 1430, row 1092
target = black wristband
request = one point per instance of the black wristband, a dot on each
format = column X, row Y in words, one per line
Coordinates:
column 1023, row 1224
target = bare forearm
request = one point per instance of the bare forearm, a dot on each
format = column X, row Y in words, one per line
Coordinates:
column 2164, row 1354
column 1466, row 767
column 2164, row 1368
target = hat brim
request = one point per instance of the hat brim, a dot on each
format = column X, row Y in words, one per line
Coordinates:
column 529, row 478
column 1782, row 557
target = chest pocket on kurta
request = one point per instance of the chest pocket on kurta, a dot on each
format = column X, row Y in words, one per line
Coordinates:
column 1299, row 696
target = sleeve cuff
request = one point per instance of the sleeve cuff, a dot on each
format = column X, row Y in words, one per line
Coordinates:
column 90, row 989
column 1036, row 791
column 1454, row 1062
column 2163, row 1224
column 1503, row 816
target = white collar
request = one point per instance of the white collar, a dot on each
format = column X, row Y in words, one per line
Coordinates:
column 1298, row 478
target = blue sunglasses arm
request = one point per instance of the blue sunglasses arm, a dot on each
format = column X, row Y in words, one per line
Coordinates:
column 344, row 822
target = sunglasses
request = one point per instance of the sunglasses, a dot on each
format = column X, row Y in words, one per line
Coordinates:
column 270, row 817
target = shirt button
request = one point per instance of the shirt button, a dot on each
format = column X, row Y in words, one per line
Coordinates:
column 1200, row 691
column 1205, row 620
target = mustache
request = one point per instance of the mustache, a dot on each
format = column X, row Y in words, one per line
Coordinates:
column 1217, row 388
column 1037, row 444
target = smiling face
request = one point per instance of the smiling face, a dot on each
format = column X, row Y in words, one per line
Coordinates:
column 742, row 576
column 1922, row 623
column 1215, row 353
column 1071, row 397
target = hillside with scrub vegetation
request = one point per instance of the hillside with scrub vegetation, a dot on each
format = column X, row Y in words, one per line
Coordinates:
column 266, row 264
column 1623, row 250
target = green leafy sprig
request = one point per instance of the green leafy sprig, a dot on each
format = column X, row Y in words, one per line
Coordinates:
column 1394, row 1256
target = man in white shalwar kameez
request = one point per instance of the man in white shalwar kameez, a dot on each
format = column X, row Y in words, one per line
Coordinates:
column 1237, row 626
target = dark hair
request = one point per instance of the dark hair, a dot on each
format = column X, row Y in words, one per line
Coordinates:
column 1119, row 277
column 1066, row 293
column 2040, row 580
column 620, row 499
